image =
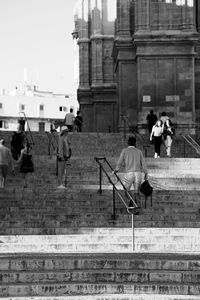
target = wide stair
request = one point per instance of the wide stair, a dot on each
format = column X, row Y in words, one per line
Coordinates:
column 66, row 243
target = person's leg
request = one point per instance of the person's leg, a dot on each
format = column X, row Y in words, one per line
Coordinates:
column 25, row 180
column 137, row 184
column 1, row 177
column 4, row 173
column 159, row 145
column 156, row 146
column 128, row 182
column 169, row 143
column 61, row 169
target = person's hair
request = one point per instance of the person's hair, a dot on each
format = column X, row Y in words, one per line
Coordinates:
column 158, row 122
column 151, row 111
column 71, row 110
column 163, row 113
column 131, row 141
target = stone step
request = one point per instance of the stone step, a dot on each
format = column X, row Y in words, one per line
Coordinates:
column 54, row 289
column 110, row 297
column 97, row 143
column 146, row 240
column 73, row 275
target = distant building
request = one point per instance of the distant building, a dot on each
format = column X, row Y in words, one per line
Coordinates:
column 41, row 108
column 137, row 55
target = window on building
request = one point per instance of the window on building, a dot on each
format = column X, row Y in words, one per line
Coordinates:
column 63, row 108
column 6, row 125
column 1, row 105
column 41, row 126
column 41, row 107
column 1, row 124
column 21, row 107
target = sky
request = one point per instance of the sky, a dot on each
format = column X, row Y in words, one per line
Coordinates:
column 36, row 40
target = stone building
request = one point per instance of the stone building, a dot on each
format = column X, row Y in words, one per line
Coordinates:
column 145, row 56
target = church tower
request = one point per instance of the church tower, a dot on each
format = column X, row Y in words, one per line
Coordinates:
column 94, row 26
column 147, row 56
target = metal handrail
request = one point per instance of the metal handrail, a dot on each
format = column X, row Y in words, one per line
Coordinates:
column 99, row 160
column 135, row 133
column 192, row 143
column 29, row 130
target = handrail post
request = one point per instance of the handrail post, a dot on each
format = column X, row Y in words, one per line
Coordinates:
column 57, row 163
column 133, row 233
column 100, row 180
column 49, row 146
column 114, row 203
column 184, row 146
column 124, row 129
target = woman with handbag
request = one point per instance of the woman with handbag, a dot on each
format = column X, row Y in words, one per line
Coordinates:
column 156, row 134
column 168, row 134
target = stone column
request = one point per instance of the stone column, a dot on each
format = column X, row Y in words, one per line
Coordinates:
column 123, row 17
column 142, row 14
column 84, row 46
column 96, row 43
column 188, row 16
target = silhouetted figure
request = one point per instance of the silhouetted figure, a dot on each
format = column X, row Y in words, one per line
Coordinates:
column 151, row 120
column 78, row 122
column 17, row 142
column 26, row 159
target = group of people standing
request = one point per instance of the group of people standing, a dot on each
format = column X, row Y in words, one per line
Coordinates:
column 73, row 123
column 160, row 130
column 20, row 154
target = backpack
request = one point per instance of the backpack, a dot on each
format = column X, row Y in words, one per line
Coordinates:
column 147, row 190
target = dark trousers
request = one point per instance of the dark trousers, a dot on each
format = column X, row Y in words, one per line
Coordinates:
column 157, row 144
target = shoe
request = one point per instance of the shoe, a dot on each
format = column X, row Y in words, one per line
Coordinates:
column 61, row 187
column 155, row 155
column 158, row 156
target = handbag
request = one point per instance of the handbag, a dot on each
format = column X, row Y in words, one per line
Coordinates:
column 147, row 190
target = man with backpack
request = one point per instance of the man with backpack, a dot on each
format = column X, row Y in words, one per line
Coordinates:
column 133, row 161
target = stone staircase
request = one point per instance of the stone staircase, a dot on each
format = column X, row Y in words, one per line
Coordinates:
column 65, row 244
column 90, row 275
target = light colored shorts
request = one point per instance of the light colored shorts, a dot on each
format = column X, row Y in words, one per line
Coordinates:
column 132, row 178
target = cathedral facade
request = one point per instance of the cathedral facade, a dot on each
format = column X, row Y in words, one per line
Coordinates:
column 137, row 55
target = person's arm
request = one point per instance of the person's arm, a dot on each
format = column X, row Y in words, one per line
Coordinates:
column 143, row 167
column 20, row 158
column 152, row 132
column 120, row 162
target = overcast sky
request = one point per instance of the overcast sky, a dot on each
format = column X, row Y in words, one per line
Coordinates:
column 36, row 35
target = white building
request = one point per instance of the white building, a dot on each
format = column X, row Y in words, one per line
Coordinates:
column 40, row 108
